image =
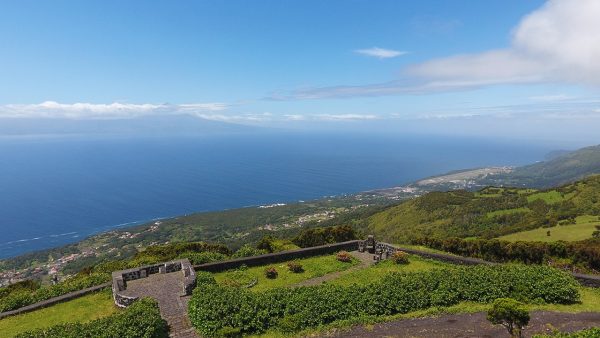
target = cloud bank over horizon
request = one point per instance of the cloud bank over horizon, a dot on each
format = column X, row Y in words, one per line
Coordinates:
column 115, row 110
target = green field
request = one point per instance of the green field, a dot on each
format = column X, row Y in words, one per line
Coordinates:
column 81, row 309
column 375, row 272
column 550, row 197
column 313, row 267
column 507, row 211
column 583, row 229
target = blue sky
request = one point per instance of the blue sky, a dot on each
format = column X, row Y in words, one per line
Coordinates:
column 284, row 62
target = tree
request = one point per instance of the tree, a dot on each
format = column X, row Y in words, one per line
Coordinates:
column 509, row 313
column 596, row 234
column 266, row 243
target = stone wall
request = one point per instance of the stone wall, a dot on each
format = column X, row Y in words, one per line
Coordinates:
column 278, row 257
column 120, row 278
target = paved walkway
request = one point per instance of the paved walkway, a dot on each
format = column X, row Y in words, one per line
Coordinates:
column 366, row 260
column 167, row 290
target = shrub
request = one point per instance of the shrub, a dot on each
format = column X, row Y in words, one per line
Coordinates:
column 141, row 319
column 344, row 256
column 266, row 243
column 400, row 257
column 291, row 309
column 589, row 333
column 271, row 272
column 197, row 258
column 295, row 267
column 248, row 251
column 510, row 314
column 204, row 278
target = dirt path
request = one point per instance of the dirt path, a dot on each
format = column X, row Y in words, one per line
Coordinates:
column 474, row 325
column 366, row 260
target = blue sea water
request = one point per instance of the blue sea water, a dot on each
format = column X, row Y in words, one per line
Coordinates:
column 57, row 190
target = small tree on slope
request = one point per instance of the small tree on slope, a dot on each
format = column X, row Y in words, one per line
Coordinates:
column 510, row 314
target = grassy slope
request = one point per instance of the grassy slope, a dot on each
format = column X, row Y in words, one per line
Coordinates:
column 489, row 213
column 583, row 229
column 82, row 309
column 313, row 267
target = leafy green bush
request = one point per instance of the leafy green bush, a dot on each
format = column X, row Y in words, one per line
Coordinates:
column 510, row 314
column 197, row 258
column 141, row 319
column 204, row 278
column 213, row 308
column 248, row 251
column 589, row 333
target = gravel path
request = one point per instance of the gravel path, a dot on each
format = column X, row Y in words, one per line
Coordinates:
column 473, row 325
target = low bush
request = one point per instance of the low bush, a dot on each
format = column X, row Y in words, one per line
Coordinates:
column 400, row 257
column 141, row 319
column 344, row 256
column 205, row 278
column 197, row 258
column 214, row 308
column 295, row 267
column 271, row 273
column 248, row 251
column 589, row 333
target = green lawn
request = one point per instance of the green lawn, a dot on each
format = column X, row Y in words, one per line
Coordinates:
column 83, row 309
column 583, row 229
column 313, row 267
column 507, row 211
column 549, row 197
column 376, row 272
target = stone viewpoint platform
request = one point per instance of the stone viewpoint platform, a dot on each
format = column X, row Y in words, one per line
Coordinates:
column 170, row 283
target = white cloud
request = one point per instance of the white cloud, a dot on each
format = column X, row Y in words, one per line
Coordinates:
column 380, row 53
column 551, row 98
column 560, row 42
column 51, row 109
column 345, row 117
column 557, row 43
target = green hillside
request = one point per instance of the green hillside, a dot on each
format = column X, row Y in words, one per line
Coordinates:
column 489, row 213
column 582, row 229
column 559, row 170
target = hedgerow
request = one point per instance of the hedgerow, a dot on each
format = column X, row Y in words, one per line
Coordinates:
column 586, row 252
column 215, row 309
column 141, row 319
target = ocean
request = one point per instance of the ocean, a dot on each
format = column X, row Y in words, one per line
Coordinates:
column 58, row 190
